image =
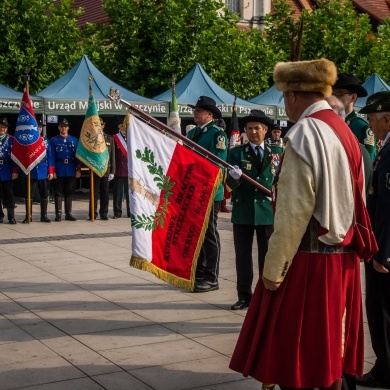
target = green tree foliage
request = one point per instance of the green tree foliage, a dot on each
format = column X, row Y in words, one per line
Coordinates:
column 148, row 41
column 336, row 31
column 40, row 36
column 279, row 27
column 377, row 60
column 333, row 30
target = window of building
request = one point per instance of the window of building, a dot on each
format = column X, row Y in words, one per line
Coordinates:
column 233, row 6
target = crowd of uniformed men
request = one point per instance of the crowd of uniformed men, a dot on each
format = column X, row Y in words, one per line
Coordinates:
column 57, row 172
column 252, row 213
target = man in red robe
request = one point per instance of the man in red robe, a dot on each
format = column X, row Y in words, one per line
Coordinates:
column 304, row 325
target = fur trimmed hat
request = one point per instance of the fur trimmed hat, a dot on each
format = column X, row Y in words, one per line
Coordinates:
column 308, row 76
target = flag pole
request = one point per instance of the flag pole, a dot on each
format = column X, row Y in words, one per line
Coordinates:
column 91, row 186
column 91, row 195
column 28, row 206
column 115, row 95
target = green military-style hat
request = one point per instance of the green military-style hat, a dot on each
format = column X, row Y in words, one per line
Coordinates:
column 378, row 102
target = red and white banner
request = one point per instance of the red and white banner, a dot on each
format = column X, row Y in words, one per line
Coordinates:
column 28, row 148
column 120, row 141
column 235, row 137
column 171, row 192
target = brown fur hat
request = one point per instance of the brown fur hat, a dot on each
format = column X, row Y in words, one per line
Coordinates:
column 313, row 76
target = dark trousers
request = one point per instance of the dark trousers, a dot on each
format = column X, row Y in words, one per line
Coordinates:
column 7, row 197
column 64, row 186
column 210, row 253
column 378, row 318
column 120, row 184
column 43, row 189
column 100, row 185
column 243, row 241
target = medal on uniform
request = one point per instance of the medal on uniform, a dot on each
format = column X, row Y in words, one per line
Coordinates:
column 248, row 166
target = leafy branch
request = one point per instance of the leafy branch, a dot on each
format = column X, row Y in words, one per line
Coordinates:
column 164, row 184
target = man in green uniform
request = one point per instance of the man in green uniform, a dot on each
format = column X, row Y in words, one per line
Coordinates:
column 276, row 138
column 208, row 135
column 252, row 209
column 347, row 89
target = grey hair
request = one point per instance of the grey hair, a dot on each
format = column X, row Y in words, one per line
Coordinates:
column 337, row 105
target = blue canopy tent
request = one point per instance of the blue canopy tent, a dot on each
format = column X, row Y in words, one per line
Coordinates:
column 10, row 101
column 373, row 84
column 198, row 83
column 69, row 94
column 271, row 97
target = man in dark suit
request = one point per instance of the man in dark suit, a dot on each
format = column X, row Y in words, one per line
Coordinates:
column 377, row 270
column 101, row 184
column 252, row 208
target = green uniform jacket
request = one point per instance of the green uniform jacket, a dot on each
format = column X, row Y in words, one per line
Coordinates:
column 364, row 135
column 250, row 205
column 212, row 138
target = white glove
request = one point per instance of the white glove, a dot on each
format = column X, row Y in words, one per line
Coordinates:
column 110, row 176
column 235, row 172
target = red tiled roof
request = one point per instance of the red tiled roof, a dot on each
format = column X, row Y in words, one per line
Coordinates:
column 93, row 11
column 377, row 9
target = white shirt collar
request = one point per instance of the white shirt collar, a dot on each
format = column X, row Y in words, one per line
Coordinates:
column 203, row 126
column 254, row 146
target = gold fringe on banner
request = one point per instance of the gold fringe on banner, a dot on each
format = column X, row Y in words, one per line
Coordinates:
column 185, row 284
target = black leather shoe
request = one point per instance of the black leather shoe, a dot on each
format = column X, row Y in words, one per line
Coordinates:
column 12, row 221
column 240, row 304
column 104, row 218
column 58, row 218
column 45, row 219
column 1, row 219
column 205, row 286
column 25, row 220
column 367, row 380
column 116, row 216
column 70, row 217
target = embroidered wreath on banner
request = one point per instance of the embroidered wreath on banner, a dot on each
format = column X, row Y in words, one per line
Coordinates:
column 151, row 222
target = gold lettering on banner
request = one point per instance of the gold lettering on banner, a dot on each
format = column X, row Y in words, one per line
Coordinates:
column 136, row 186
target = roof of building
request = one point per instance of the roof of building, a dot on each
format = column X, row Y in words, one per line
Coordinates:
column 93, row 11
column 376, row 9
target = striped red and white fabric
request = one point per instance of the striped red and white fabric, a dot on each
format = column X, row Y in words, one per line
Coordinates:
column 120, row 141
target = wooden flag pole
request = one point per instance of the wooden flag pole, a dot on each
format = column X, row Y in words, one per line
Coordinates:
column 157, row 125
column 91, row 195
column 28, row 205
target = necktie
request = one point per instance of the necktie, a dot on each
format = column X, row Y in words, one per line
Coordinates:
column 259, row 152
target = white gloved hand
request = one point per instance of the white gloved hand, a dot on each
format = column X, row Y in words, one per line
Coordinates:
column 235, row 172
column 110, row 176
